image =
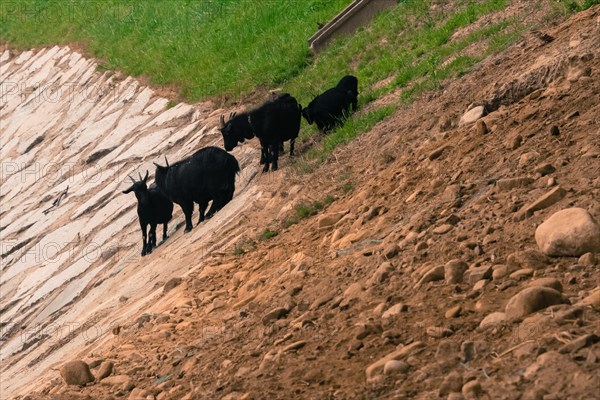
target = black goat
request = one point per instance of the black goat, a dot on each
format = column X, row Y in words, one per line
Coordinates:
column 273, row 123
column 153, row 208
column 207, row 175
column 327, row 109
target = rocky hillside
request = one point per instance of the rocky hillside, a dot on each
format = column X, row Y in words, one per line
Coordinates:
column 453, row 254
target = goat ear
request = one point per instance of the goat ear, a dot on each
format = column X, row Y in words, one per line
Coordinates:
column 145, row 177
column 128, row 190
column 158, row 166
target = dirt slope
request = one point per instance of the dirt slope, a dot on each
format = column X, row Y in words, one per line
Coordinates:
column 320, row 309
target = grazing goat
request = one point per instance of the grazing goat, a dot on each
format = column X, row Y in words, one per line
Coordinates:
column 327, row 109
column 273, row 123
column 207, row 175
column 153, row 208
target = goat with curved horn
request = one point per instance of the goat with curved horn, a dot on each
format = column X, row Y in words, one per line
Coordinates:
column 153, row 208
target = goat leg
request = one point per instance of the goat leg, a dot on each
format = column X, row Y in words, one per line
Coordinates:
column 152, row 244
column 144, row 237
column 202, row 206
column 275, row 150
column 165, row 237
column 188, row 209
column 267, row 152
column 292, row 142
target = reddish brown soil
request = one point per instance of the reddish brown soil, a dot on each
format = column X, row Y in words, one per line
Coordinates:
column 212, row 340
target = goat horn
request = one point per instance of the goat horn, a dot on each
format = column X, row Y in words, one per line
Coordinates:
column 222, row 121
column 132, row 180
column 145, row 177
column 166, row 161
column 140, row 175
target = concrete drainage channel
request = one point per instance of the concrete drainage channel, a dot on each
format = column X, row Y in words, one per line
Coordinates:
column 356, row 14
column 70, row 136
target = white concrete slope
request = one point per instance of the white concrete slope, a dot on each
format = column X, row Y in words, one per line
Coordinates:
column 65, row 124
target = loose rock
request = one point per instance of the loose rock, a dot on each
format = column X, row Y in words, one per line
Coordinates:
column 434, row 274
column 171, row 284
column 440, row 230
column 579, row 343
column 545, row 169
column 328, row 220
column 76, row 373
column 592, row 300
column 511, row 183
column 393, row 367
column 381, row 274
column 395, row 310
column 472, row 390
column 454, row 271
column 545, row 201
column 471, row 116
column 453, row 382
column 547, row 282
column 588, row 259
column 138, row 394
column 532, row 299
column 439, row 332
column 527, row 259
column 570, row 232
column 399, row 354
column 492, row 319
column 453, row 312
column 481, row 127
column 105, row 370
column 522, row 274
column 274, row 315
column 478, row 273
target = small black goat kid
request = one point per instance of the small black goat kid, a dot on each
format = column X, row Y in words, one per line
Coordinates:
column 273, row 123
column 153, row 209
column 207, row 175
column 327, row 110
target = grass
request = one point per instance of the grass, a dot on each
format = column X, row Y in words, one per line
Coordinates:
column 268, row 234
column 229, row 48
column 305, row 210
column 203, row 47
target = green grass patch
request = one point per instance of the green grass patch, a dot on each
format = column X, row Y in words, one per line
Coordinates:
column 350, row 130
column 305, row 210
column 348, row 186
column 204, row 47
column 268, row 234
